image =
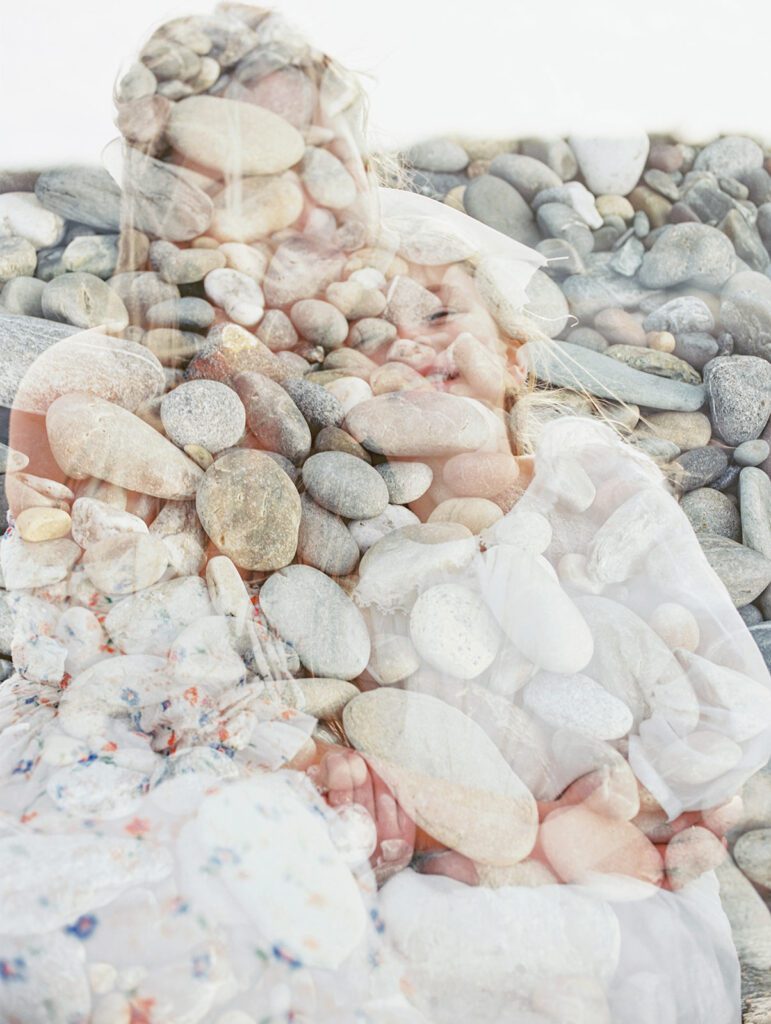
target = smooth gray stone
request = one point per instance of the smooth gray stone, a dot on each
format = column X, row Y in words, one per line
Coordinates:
column 739, row 394
column 728, row 478
column 319, row 407
column 441, row 155
column 758, row 183
column 763, row 223
column 324, row 540
column 85, row 301
column 688, row 254
column 751, row 615
column 746, row 239
column 601, row 288
column 527, row 175
column 588, row 338
column 662, row 183
column 755, row 505
column 140, row 290
column 752, row 453
column 701, row 466
column 85, row 194
column 558, row 220
column 627, row 260
column 161, row 201
column 566, row 365
column 434, row 184
column 745, row 312
column 555, row 153
column 708, row 202
column 21, row 296
column 188, row 314
column 683, row 315
column 93, row 254
column 17, row 258
column 730, row 156
column 494, row 202
column 546, row 304
column 696, row 348
column 50, row 263
column 22, row 339
column 710, row 511
column 745, row 573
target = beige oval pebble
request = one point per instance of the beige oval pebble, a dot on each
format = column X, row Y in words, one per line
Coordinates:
column 321, row 697
column 91, row 437
column 446, row 773
column 250, row 509
column 204, row 128
column 125, row 563
column 36, row 524
column 480, row 474
column 418, row 423
column 476, row 514
column 454, row 631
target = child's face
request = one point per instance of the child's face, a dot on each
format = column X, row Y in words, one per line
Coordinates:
column 463, row 310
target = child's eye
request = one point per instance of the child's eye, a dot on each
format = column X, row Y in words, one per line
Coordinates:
column 440, row 314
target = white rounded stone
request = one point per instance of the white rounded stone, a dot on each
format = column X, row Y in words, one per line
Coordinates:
column 454, row 631
column 576, row 702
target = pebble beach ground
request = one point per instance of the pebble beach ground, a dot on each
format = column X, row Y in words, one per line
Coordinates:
column 266, row 378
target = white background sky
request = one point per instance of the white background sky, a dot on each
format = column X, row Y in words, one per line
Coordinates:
column 495, row 67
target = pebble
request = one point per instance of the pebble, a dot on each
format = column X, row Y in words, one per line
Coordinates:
column 567, row 365
column 745, row 573
column 739, row 393
column 683, row 315
column 627, row 259
column 85, row 194
column 731, row 156
column 187, row 314
column 17, row 259
column 528, row 175
column 326, row 179
column 301, row 268
column 202, row 128
column 345, row 485
column 411, row 737
column 442, row 155
column 690, row 854
column 38, row 524
column 84, row 300
column 746, row 240
column 619, row 327
column 250, row 509
column 547, row 304
column 685, row 429
column 575, row 195
column 755, row 505
column 183, row 266
column 125, row 563
column 91, row 437
column 164, row 203
column 555, row 153
column 745, row 312
column 205, row 413
column 481, row 474
column 701, row 466
column 251, row 209
column 319, row 322
column 752, row 453
column 317, row 618
column 695, row 348
column 578, row 703
column 676, row 625
column 94, row 520
column 349, row 391
column 23, row 216
column 92, row 254
column 476, row 514
column 276, row 331
column 653, row 360
column 406, row 481
column 694, row 254
column 710, row 511
column 415, row 423
column 494, row 202
column 22, row 296
column 452, row 629
column 274, row 419
column 610, row 165
column 560, row 220
column 318, row 406
column 324, row 542
column 367, row 532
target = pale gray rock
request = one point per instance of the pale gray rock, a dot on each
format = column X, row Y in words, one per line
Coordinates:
column 88, row 195
column 203, row 128
column 205, row 413
column 250, row 509
column 438, row 154
column 731, row 156
column 694, row 254
column 188, row 314
column 710, row 511
column 528, row 175
column 745, row 573
column 739, row 393
column 577, row 703
column 611, row 165
column 546, row 304
column 745, row 312
column 318, row 406
column 140, row 290
column 313, row 614
column 701, row 466
column 682, row 315
column 22, row 339
column 453, row 630
column 21, row 296
column 752, row 854
column 752, row 453
column 91, row 437
column 748, row 915
column 84, row 300
column 367, row 532
column 324, row 541
column 116, row 369
column 406, row 481
column 494, row 202
column 183, row 266
column 148, row 622
column 125, row 563
column 418, row 423
column 326, row 179
column 161, row 200
column 574, row 366
column 319, row 323
column 17, row 259
column 559, row 220
column 273, row 417
column 345, row 485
